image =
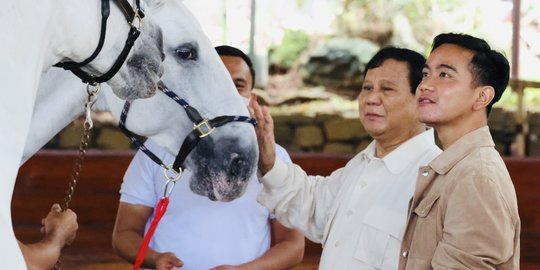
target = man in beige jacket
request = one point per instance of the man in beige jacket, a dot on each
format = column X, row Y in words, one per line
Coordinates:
column 464, row 211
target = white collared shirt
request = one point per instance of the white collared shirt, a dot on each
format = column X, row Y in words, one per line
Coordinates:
column 359, row 211
column 201, row 232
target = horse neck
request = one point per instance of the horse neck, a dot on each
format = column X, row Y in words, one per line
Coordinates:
column 23, row 51
column 78, row 41
column 60, row 100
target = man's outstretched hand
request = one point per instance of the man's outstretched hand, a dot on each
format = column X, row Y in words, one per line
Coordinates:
column 265, row 134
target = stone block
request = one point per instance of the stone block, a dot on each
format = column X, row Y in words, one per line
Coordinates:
column 283, row 133
column 295, row 119
column 70, row 136
column 534, row 123
column 112, row 138
column 502, row 121
column 341, row 129
column 308, row 136
column 533, row 146
column 338, row 148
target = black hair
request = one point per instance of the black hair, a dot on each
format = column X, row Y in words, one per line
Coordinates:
column 487, row 66
column 415, row 63
column 226, row 50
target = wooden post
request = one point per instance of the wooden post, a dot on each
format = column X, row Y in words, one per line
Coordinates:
column 516, row 85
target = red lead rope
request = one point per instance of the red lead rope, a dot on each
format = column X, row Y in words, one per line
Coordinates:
column 161, row 208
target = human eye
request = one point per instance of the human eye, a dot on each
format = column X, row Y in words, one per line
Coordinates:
column 367, row 88
column 425, row 74
column 239, row 86
column 444, row 75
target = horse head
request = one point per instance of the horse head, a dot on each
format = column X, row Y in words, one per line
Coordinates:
column 142, row 67
column 222, row 162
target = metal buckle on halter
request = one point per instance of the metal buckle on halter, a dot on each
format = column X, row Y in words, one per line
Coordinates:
column 204, row 128
column 139, row 18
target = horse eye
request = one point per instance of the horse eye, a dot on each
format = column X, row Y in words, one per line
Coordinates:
column 186, row 54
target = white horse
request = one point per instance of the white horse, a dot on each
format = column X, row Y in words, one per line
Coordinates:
column 37, row 35
column 221, row 163
column 193, row 70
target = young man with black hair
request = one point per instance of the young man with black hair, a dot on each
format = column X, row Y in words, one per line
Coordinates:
column 464, row 211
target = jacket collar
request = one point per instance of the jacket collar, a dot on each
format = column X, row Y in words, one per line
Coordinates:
column 461, row 148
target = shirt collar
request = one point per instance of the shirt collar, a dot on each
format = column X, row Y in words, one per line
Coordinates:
column 402, row 157
column 461, row 148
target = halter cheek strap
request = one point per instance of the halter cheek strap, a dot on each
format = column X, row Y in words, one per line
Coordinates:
column 133, row 34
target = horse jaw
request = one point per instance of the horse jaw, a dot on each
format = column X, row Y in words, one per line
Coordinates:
column 142, row 69
column 139, row 76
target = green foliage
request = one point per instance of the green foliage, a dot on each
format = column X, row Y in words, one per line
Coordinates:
column 293, row 44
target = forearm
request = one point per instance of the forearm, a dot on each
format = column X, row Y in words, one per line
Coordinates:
column 41, row 255
column 126, row 244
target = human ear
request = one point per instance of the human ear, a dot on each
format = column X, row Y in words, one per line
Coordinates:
column 485, row 96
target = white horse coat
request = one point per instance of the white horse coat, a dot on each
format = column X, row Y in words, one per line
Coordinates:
column 42, row 33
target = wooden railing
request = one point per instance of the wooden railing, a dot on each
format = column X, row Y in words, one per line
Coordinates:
column 43, row 180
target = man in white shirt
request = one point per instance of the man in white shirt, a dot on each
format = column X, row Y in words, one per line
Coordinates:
column 197, row 233
column 359, row 212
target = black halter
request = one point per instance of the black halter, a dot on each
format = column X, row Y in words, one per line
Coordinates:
column 133, row 34
column 202, row 127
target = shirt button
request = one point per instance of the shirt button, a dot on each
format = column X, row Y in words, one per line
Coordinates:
column 362, row 184
column 405, row 253
column 349, row 213
column 425, row 173
column 336, row 244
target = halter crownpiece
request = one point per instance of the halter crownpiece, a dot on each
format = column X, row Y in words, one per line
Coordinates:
column 133, row 34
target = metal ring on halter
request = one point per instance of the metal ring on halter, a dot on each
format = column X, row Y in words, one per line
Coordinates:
column 171, row 179
column 204, row 128
column 173, row 176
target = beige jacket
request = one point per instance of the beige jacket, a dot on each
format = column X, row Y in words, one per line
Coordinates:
column 464, row 211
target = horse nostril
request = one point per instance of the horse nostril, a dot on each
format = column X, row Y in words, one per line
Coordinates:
column 237, row 166
column 212, row 196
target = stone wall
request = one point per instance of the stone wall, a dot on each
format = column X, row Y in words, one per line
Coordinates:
column 322, row 133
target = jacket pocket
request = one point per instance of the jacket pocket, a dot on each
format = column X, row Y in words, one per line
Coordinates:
column 424, row 207
column 380, row 227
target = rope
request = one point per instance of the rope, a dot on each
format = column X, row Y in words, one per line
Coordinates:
column 161, row 208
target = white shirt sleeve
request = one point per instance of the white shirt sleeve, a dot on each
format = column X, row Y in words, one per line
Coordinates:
column 298, row 200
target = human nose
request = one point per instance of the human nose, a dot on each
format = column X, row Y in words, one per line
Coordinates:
column 372, row 97
column 425, row 85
